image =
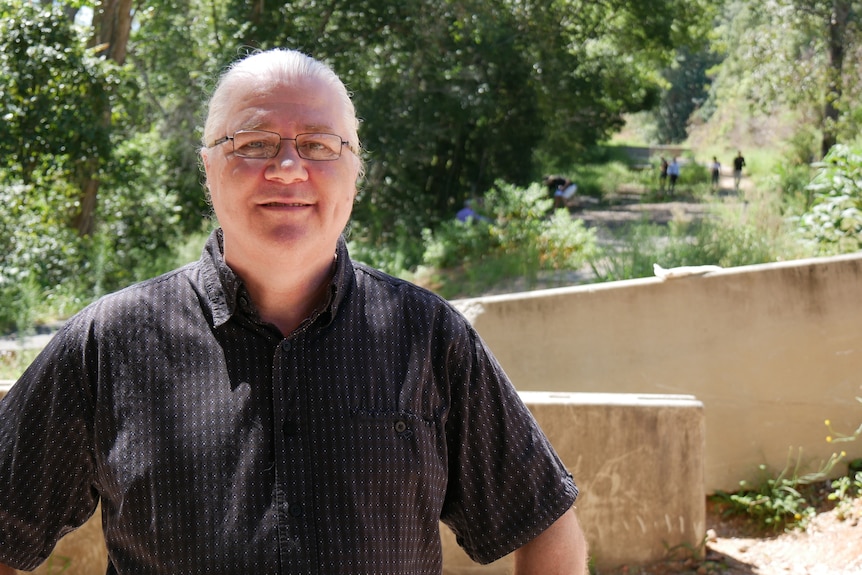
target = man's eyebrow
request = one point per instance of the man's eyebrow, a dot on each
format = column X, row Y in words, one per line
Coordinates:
column 303, row 129
column 318, row 128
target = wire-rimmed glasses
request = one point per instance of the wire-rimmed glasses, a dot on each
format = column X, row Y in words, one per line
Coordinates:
column 261, row 144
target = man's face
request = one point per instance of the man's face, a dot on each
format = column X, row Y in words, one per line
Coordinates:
column 266, row 206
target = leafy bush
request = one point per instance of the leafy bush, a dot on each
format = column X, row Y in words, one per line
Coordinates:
column 57, row 151
column 834, row 222
column 519, row 238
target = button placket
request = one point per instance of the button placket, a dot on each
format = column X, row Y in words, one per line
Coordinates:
column 295, row 524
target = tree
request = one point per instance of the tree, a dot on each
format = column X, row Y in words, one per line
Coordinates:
column 795, row 53
column 54, row 97
column 838, row 22
column 688, row 90
column 455, row 95
column 176, row 50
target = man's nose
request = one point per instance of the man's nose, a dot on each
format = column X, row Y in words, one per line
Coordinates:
column 286, row 162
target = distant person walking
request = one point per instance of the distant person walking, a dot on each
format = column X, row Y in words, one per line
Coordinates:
column 662, row 175
column 673, row 174
column 715, row 168
column 738, row 164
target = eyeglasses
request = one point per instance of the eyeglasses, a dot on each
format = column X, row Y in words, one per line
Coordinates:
column 259, row 144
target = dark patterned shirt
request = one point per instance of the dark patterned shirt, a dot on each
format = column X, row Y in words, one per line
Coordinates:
column 217, row 446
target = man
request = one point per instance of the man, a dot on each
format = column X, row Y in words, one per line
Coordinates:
column 738, row 164
column 715, row 171
column 673, row 172
column 662, row 174
column 276, row 407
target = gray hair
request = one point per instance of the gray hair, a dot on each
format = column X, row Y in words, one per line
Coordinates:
column 289, row 66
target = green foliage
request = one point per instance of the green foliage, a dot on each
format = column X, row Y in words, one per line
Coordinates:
column 782, row 502
column 54, row 96
column 37, row 248
column 456, row 95
column 834, row 221
column 177, row 55
column 687, row 91
column 790, row 54
column 727, row 240
column 53, row 93
column 845, row 490
column 520, row 239
column 139, row 220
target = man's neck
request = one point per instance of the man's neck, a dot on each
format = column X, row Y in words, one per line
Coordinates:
column 288, row 292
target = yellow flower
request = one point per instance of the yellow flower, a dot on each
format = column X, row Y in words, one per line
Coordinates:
column 828, row 439
column 827, row 422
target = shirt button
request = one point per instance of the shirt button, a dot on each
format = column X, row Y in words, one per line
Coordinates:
column 400, row 426
column 295, row 510
column 285, row 345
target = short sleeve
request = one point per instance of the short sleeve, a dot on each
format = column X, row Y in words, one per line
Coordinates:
column 506, row 482
column 46, row 462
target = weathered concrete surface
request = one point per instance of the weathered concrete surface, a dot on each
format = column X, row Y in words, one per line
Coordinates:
column 771, row 350
column 638, row 461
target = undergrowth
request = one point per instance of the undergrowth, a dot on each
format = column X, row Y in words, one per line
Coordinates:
column 789, row 500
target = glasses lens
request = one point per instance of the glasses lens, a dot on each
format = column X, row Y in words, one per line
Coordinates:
column 318, row 146
column 252, row 144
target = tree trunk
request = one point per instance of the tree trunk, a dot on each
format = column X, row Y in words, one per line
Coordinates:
column 836, row 29
column 85, row 221
column 112, row 24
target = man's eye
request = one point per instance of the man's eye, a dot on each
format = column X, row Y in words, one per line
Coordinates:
column 255, row 148
column 314, row 146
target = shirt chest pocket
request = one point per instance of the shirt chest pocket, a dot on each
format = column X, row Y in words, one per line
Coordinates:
column 392, row 455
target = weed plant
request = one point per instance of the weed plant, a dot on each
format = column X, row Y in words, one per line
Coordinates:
column 845, row 490
column 789, row 500
column 786, row 502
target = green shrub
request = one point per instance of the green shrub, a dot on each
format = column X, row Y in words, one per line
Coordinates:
column 516, row 237
column 726, row 239
column 833, row 224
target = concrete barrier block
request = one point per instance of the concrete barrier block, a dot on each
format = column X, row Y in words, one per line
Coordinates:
column 638, row 460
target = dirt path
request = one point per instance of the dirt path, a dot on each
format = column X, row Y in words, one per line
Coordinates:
column 628, row 206
column 831, row 545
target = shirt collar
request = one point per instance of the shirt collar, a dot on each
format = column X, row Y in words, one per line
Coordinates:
column 223, row 286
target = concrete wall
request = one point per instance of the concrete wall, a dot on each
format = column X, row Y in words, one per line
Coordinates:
column 638, row 461
column 771, row 350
